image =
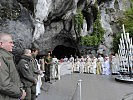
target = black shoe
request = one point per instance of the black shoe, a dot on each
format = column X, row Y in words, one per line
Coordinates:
column 49, row 82
column 56, row 78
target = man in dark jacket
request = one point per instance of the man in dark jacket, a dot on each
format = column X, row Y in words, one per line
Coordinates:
column 36, row 71
column 10, row 84
column 25, row 68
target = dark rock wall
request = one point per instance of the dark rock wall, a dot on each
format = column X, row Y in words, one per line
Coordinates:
column 19, row 18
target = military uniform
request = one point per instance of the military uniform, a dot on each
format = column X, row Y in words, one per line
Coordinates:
column 10, row 84
column 47, row 68
column 25, row 68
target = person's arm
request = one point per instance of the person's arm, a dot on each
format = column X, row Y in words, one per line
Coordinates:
column 45, row 61
column 6, row 86
column 24, row 69
column 23, row 95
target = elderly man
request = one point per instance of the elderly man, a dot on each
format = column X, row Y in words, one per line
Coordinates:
column 10, row 84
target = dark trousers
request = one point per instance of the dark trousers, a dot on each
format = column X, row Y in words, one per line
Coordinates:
column 47, row 73
column 33, row 92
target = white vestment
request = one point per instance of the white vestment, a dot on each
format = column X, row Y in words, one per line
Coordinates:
column 39, row 81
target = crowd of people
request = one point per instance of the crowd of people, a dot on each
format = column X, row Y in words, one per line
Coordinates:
column 94, row 65
column 23, row 81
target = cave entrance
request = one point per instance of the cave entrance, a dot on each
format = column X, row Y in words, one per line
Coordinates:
column 61, row 51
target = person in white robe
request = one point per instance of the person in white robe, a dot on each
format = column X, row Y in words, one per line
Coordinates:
column 91, row 66
column 77, row 64
column 82, row 63
column 87, row 65
column 55, row 68
column 102, row 62
column 65, row 59
column 39, row 82
column 115, row 64
column 71, row 59
column 94, row 64
column 42, row 64
column 106, row 69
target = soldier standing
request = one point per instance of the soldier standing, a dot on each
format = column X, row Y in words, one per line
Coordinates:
column 37, row 73
column 48, row 61
column 10, row 84
column 25, row 66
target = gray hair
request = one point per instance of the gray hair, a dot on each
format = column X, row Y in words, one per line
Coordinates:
column 26, row 51
column 2, row 34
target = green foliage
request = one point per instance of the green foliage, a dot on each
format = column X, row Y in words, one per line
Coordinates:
column 89, row 40
column 116, row 41
column 116, row 2
column 15, row 14
column 7, row 13
column 78, row 19
column 97, row 28
column 127, row 20
column 97, row 35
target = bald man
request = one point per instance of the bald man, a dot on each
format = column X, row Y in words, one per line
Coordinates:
column 10, row 84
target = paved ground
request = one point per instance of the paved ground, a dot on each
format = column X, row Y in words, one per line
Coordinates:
column 94, row 87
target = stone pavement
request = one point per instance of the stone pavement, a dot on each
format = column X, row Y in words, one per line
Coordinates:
column 94, row 87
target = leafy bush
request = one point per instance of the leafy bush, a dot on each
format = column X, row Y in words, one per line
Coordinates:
column 6, row 12
column 97, row 35
column 116, row 41
column 97, row 28
column 127, row 20
column 89, row 40
column 78, row 19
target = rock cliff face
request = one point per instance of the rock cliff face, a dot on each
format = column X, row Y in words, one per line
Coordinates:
column 46, row 24
column 110, row 13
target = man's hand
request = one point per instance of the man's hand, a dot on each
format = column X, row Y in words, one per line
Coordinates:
column 35, row 82
column 40, row 72
column 23, row 95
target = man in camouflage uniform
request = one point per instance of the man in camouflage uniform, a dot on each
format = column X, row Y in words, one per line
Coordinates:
column 37, row 72
column 48, row 62
column 25, row 68
column 10, row 84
